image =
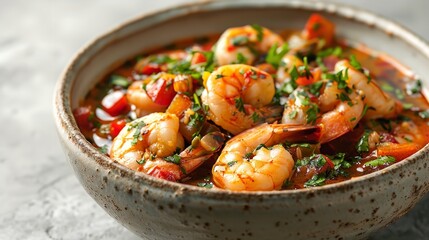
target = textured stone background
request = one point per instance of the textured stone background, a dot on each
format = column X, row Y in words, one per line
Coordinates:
column 39, row 196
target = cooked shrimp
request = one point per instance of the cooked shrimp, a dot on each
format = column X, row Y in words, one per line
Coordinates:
column 244, row 165
column 137, row 93
column 335, row 118
column 138, row 97
column 380, row 105
column 149, row 144
column 237, row 96
column 287, row 63
column 244, row 41
column 342, row 119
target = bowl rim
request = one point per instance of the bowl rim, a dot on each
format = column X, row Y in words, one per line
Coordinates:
column 69, row 131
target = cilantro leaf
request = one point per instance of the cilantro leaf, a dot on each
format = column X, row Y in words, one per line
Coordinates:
column 316, row 180
column 383, row 160
column 414, row 87
column 239, row 104
column 240, row 41
column 363, row 144
column 173, row 159
column 275, row 54
column 118, row 80
column 241, row 58
column 259, row 31
column 354, row 62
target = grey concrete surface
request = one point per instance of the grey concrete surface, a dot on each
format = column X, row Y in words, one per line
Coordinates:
column 39, row 196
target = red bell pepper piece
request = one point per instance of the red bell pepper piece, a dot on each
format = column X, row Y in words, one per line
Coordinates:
column 319, row 27
column 150, row 69
column 115, row 103
column 198, row 58
column 116, row 127
column 161, row 92
column 82, row 116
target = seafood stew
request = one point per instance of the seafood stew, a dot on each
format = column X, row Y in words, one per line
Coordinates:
column 253, row 109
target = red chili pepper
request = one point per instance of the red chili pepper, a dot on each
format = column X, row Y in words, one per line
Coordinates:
column 150, row 69
column 116, row 127
column 161, row 92
column 198, row 58
column 115, row 103
column 319, row 27
column 82, row 117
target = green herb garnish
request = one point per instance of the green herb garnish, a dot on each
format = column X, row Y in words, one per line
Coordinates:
column 383, row 160
column 259, row 32
column 275, row 54
column 363, row 144
column 241, row 59
column 173, row 159
column 120, row 81
column 240, row 41
column 316, row 180
column 239, row 104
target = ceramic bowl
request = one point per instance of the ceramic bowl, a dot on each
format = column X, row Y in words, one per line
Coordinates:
column 157, row 209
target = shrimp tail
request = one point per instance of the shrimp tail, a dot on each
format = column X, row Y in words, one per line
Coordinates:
column 297, row 133
column 269, row 114
column 193, row 156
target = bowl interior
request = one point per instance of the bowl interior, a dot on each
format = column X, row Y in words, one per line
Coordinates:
column 158, row 30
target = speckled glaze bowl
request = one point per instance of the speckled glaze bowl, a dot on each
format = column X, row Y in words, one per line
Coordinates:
column 157, row 209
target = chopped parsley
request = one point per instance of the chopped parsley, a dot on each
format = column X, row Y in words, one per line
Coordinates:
column 387, row 87
column 399, row 94
column 241, row 58
column 315, row 88
column 275, row 55
column 240, row 41
column 340, row 161
column 383, row 160
column 137, row 132
column 259, row 32
column 141, row 161
column 407, row 106
column 312, row 112
column 260, row 146
column 354, row 62
column 173, row 159
column 255, row 117
column 218, row 76
column 414, row 87
column 239, row 104
column 363, row 144
column 301, row 145
column 103, row 149
column 292, row 114
column 337, row 51
column 316, row 26
column 315, row 160
column 207, row 185
column 316, row 180
column 232, row 163
column 340, row 77
column 195, row 119
column 343, row 97
column 248, row 155
column 424, row 114
column 120, row 81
